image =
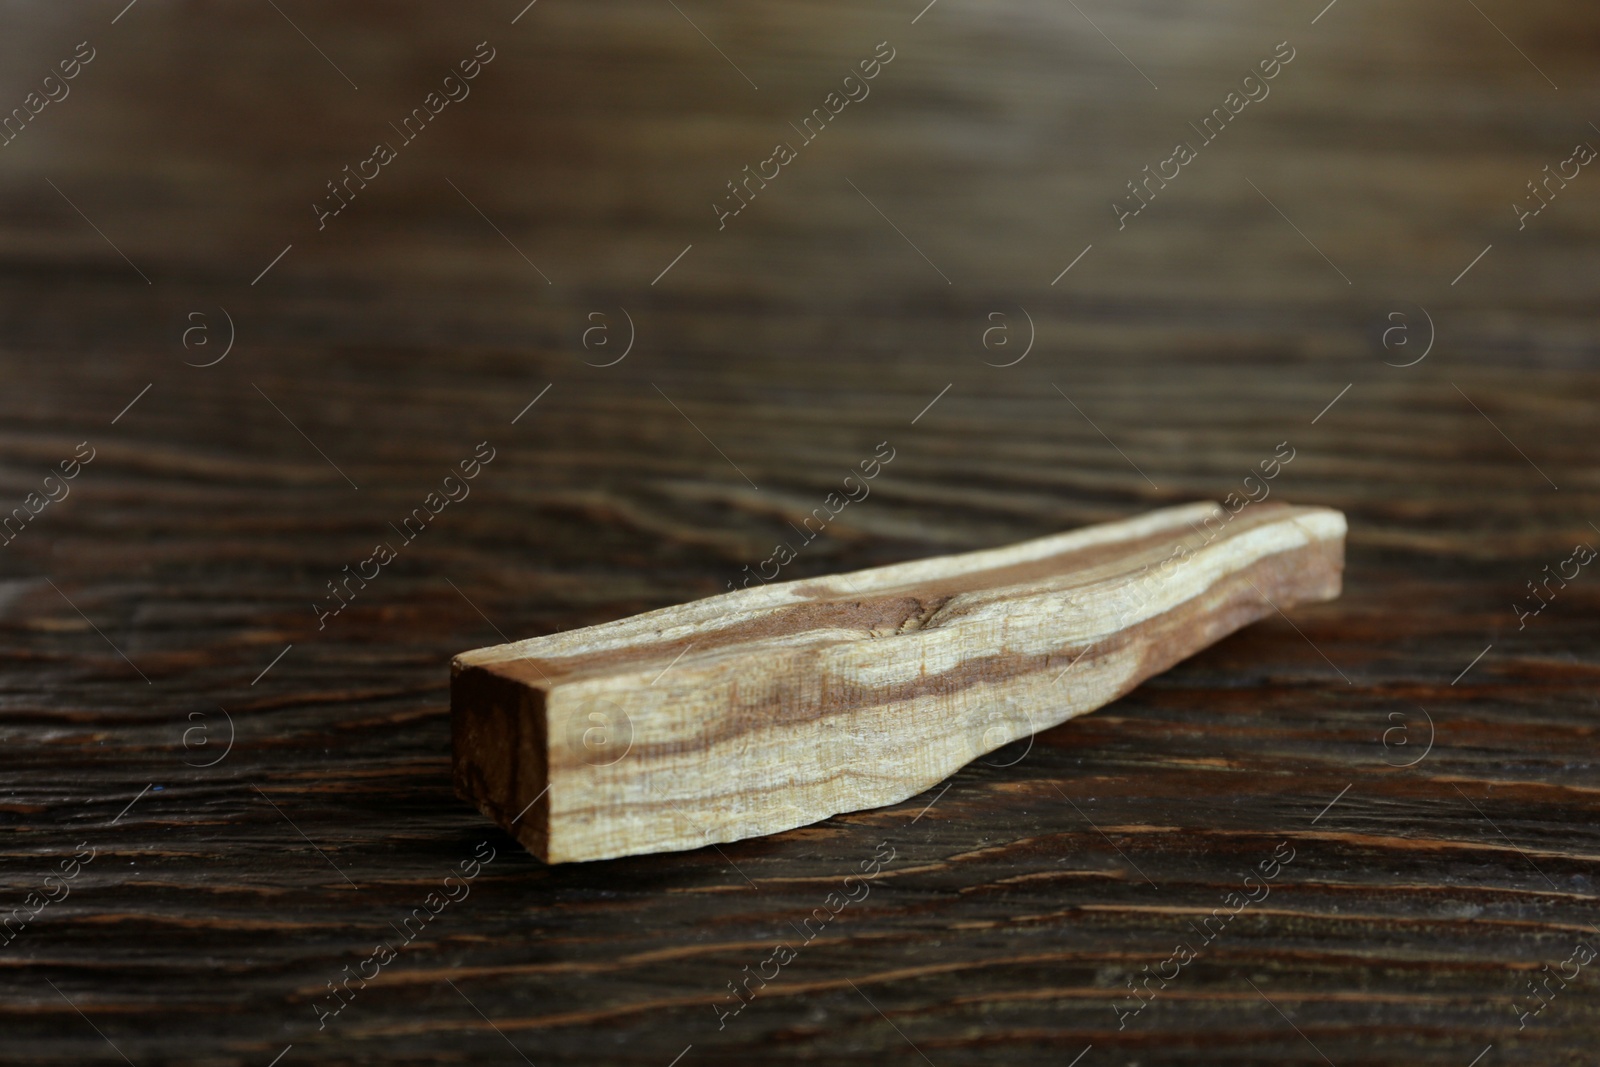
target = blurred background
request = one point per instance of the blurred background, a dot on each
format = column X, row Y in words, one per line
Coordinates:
column 1356, row 265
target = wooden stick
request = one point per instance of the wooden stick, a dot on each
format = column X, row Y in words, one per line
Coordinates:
column 776, row 706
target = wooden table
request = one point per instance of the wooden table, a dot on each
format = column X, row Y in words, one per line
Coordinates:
column 1425, row 757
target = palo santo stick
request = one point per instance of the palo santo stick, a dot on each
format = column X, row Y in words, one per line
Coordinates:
column 772, row 707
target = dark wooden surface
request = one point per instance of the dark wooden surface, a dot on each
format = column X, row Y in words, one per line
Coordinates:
column 1020, row 898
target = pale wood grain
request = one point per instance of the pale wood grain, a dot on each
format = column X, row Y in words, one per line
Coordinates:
column 775, row 706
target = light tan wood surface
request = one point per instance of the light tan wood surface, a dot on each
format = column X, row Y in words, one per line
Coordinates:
column 778, row 705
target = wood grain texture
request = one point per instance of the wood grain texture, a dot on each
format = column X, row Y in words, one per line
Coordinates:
column 1026, row 890
column 776, row 706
